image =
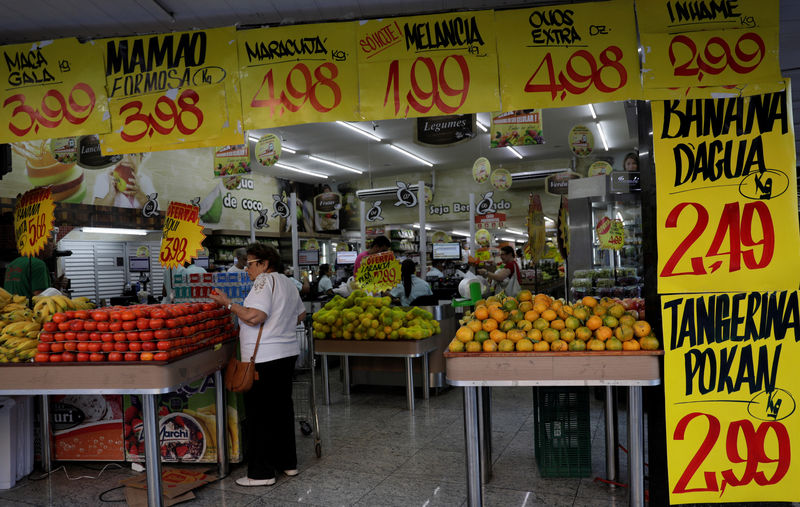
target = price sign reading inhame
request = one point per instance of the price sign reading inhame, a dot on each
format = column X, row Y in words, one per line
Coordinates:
column 731, row 396
column 567, row 55
column 33, row 220
column 182, row 235
column 428, row 65
column 378, row 272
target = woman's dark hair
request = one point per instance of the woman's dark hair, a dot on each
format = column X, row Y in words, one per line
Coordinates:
column 633, row 156
column 324, row 269
column 381, row 241
column 266, row 253
column 507, row 250
column 407, row 270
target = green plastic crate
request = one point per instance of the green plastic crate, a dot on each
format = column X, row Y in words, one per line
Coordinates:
column 562, row 431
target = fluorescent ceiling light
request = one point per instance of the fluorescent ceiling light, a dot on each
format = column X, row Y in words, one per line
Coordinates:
column 111, row 230
column 334, row 164
column 461, row 233
column 482, row 126
column 514, row 231
column 360, row 131
column 548, row 219
column 591, row 110
column 253, row 138
column 301, row 171
column 515, row 152
column 514, row 240
column 416, row 226
column 288, row 150
column 409, row 154
column 602, row 135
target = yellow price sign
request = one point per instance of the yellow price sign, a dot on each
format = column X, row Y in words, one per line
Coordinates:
column 567, row 55
column 34, row 214
column 182, row 235
column 378, row 272
column 430, row 65
column 611, row 233
column 731, row 393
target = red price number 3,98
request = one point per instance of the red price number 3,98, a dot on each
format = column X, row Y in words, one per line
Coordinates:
column 36, row 228
column 54, row 108
column 424, row 69
column 733, row 225
column 174, row 250
column 755, row 440
column 717, row 55
column 324, row 75
column 580, row 73
column 173, row 115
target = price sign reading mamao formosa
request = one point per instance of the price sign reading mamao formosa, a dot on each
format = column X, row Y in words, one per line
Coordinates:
column 182, row 235
column 33, row 220
column 378, row 272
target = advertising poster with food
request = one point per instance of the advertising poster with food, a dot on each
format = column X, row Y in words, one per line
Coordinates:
column 326, row 210
column 516, row 128
column 87, row 427
column 581, row 141
column 232, row 160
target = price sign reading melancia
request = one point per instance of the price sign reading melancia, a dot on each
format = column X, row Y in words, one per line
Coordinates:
column 731, row 393
column 52, row 89
column 182, row 236
column 726, row 194
column 33, row 220
column 567, row 55
column 378, row 272
column 428, row 65
column 298, row 74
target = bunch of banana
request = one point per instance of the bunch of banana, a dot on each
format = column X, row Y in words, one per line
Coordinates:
column 82, row 303
column 18, row 341
column 16, row 313
column 8, row 298
column 45, row 306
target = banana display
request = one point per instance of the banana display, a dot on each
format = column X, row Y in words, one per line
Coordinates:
column 45, row 306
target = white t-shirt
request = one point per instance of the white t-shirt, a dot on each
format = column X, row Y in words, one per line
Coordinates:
column 419, row 287
column 104, row 182
column 324, row 284
column 234, row 269
column 275, row 295
column 433, row 272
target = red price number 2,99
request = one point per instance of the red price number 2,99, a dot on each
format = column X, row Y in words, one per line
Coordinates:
column 165, row 110
column 755, row 441
column 54, row 108
column 717, row 55
column 174, row 250
column 324, row 75
column 733, row 225
column 382, row 276
column 417, row 96
column 581, row 72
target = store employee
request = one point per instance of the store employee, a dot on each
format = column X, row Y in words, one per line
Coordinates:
column 240, row 266
column 412, row 286
column 325, row 285
column 28, row 276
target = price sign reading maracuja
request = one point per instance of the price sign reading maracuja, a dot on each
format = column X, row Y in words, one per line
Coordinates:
column 731, row 393
column 182, row 235
column 33, row 220
column 378, row 272
column 566, row 55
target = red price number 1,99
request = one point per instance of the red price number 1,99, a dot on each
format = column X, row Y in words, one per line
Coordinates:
column 733, row 225
column 165, row 110
column 174, row 250
column 581, row 72
column 755, row 440
column 417, row 96
column 324, row 75
column 36, row 228
column 717, row 55
column 52, row 111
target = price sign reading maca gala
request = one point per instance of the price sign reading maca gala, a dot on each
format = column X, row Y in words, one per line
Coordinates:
column 52, row 89
column 186, row 69
column 726, row 194
column 378, row 272
column 298, row 74
column 567, row 55
column 428, row 65
column 692, row 44
column 33, row 220
column 182, row 237
column 731, row 396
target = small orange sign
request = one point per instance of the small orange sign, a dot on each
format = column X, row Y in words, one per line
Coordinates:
column 33, row 220
column 183, row 236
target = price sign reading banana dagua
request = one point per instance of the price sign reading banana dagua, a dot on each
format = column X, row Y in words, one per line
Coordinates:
column 182, row 235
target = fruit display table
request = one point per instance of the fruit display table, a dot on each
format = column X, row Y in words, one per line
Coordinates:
column 496, row 369
column 147, row 379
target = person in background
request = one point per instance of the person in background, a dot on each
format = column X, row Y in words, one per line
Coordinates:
column 274, row 304
column 325, row 285
column 509, row 266
column 378, row 245
column 302, row 287
column 28, row 276
column 191, row 268
column 412, row 286
column 240, row 265
column 631, row 162
column 434, row 271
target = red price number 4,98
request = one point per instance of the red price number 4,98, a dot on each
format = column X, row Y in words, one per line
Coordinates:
column 174, row 250
column 417, row 97
column 53, row 109
column 717, row 56
column 36, row 230
column 755, row 441
column 305, row 93
column 581, row 72
column 166, row 110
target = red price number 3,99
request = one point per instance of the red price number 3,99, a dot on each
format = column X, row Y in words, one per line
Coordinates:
column 36, row 228
column 174, row 250
column 717, row 55
column 755, row 440
column 174, row 115
column 424, row 69
column 324, row 75
column 733, row 225
column 54, row 108
column 581, row 72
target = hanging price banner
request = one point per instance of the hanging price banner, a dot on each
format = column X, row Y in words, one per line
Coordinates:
column 567, row 55
column 52, row 89
column 611, row 233
column 33, row 220
column 378, row 272
column 726, row 194
column 298, row 74
column 731, row 393
column 428, row 65
column 182, row 235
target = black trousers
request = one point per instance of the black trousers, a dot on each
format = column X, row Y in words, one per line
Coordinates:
column 270, row 420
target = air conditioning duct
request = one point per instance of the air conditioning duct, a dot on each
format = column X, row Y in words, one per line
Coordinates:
column 528, row 178
column 385, row 193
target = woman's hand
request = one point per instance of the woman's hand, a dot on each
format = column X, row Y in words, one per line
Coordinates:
column 219, row 298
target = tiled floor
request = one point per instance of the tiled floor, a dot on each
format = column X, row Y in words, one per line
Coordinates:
column 374, row 453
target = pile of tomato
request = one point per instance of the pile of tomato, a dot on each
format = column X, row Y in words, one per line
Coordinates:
column 133, row 333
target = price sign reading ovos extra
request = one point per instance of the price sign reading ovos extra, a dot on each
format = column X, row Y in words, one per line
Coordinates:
column 726, row 194
column 51, row 89
column 33, row 220
column 567, row 55
column 731, row 396
column 182, row 235
column 298, row 74
column 378, row 272
column 428, row 65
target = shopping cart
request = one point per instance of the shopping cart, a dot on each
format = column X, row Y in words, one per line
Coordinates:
column 304, row 386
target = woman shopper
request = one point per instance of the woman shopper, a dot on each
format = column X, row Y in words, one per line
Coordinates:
column 275, row 304
column 412, row 286
column 508, row 277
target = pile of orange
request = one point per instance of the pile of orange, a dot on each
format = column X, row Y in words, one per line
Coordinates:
column 540, row 323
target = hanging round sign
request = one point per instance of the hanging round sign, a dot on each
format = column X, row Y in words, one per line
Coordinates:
column 599, row 167
column 311, row 244
column 501, row 179
column 581, row 141
column 268, row 150
column 483, row 237
column 481, row 170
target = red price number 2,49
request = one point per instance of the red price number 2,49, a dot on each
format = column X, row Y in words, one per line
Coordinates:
column 173, row 115
column 755, row 440
column 580, row 73
column 424, row 69
column 36, row 226
column 54, row 108
column 717, row 55
column 736, row 226
column 323, row 76
column 174, row 250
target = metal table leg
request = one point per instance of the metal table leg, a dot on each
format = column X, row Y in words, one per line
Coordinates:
column 485, row 432
column 612, row 456
column 410, row 384
column 222, row 430
column 47, row 443
column 326, row 382
column 346, row 372
column 472, row 440
column 152, row 454
column 636, row 443
column 426, row 377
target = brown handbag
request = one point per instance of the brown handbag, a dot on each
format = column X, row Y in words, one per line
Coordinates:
column 239, row 376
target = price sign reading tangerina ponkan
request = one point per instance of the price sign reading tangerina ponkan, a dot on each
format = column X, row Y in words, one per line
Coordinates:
column 731, row 393
column 298, row 74
column 430, row 65
column 378, row 272
column 726, row 194
column 33, row 220
column 567, row 55
column 182, row 235
column 52, row 89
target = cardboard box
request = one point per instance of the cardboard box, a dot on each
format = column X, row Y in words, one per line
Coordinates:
column 87, row 427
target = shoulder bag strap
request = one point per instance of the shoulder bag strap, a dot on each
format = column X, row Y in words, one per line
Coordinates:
column 260, row 330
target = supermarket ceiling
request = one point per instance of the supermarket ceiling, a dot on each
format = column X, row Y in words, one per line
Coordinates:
column 46, row 19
